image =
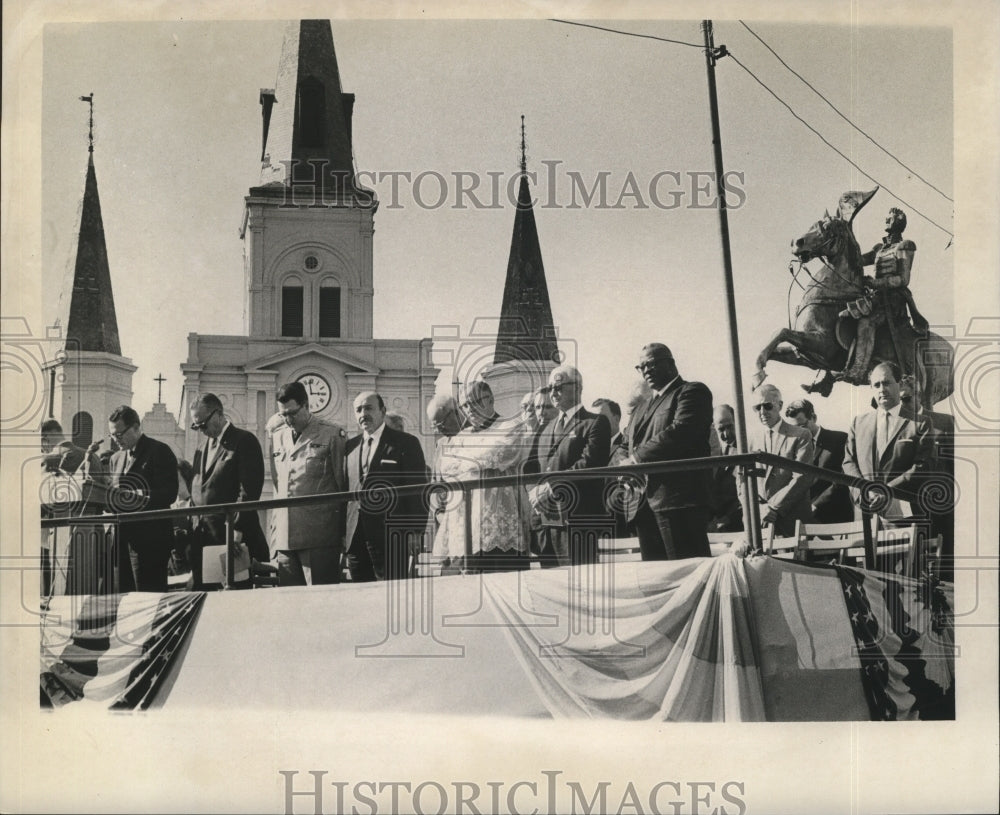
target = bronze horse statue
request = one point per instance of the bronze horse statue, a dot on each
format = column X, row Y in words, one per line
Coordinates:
column 822, row 338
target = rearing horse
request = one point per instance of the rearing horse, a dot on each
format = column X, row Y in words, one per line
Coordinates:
column 821, row 339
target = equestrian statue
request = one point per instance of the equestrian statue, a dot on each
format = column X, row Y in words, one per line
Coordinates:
column 848, row 322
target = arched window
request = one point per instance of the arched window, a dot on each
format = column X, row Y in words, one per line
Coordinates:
column 292, row 308
column 329, row 308
column 310, row 112
column 83, row 429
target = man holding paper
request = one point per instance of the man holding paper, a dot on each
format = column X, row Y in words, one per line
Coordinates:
column 228, row 467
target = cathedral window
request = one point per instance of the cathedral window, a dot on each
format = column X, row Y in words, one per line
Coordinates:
column 292, row 311
column 83, row 429
column 329, row 310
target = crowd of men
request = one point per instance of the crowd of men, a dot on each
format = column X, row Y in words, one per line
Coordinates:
column 552, row 512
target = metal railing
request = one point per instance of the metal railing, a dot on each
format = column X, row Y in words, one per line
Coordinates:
column 65, row 518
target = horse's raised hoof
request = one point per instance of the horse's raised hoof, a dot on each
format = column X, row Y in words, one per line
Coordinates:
column 758, row 380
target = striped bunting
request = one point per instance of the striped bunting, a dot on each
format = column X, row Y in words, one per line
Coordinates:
column 668, row 641
column 112, row 651
column 904, row 630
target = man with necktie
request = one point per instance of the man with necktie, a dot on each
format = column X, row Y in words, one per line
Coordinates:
column 575, row 439
column 672, row 424
column 783, row 493
column 307, row 458
column 891, row 445
column 227, row 468
column 381, row 524
column 143, row 477
column 831, row 503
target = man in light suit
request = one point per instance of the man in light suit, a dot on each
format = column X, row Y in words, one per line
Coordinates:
column 575, row 439
column 381, row 524
column 227, row 468
column 143, row 477
column 831, row 503
column 891, row 445
column 672, row 424
column 307, row 457
column 783, row 494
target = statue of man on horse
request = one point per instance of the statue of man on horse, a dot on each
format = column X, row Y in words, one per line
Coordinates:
column 889, row 299
column 848, row 322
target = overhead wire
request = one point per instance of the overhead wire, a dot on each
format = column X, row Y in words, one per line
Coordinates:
column 788, row 107
column 844, row 117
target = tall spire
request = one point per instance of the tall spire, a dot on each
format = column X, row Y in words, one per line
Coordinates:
column 307, row 119
column 526, row 330
column 92, row 324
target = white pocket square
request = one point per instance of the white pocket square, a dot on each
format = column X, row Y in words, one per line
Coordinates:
column 389, row 461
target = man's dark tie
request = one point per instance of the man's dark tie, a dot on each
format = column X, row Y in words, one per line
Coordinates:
column 561, row 424
column 295, row 436
column 367, row 457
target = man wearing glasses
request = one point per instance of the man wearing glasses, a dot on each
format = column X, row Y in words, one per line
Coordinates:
column 228, row 467
column 673, row 423
column 307, row 458
column 783, row 494
column 143, row 477
column 575, row 439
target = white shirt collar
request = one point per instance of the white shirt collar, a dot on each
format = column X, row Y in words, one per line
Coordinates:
column 894, row 412
column 377, row 436
column 666, row 387
column 225, row 427
column 572, row 411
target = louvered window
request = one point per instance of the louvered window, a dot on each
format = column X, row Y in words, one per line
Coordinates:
column 291, row 311
column 329, row 311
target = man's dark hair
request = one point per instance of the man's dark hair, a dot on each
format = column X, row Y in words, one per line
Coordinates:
column 902, row 217
column 801, row 406
column 125, row 414
column 293, row 391
column 613, row 406
column 51, row 426
column 210, row 401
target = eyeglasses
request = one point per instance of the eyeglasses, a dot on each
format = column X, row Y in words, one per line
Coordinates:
column 764, row 406
column 119, row 435
column 560, row 386
column 288, row 414
column 649, row 364
column 200, row 425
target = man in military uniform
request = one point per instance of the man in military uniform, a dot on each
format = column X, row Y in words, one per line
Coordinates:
column 891, row 299
column 307, row 456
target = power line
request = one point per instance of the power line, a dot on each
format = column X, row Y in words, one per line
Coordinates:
column 842, row 116
column 629, row 33
column 838, row 152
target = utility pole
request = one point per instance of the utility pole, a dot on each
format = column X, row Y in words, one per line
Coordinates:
column 751, row 509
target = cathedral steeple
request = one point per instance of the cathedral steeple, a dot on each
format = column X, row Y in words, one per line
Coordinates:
column 307, row 118
column 526, row 331
column 91, row 324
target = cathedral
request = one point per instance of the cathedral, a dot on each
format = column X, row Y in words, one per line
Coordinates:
column 307, row 235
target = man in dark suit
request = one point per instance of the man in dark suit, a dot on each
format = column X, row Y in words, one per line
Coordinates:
column 143, row 477
column 672, row 424
column 228, row 468
column 575, row 439
column 381, row 524
column 831, row 503
column 891, row 445
column 727, row 512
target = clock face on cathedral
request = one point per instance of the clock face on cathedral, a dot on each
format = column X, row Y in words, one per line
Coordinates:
column 318, row 389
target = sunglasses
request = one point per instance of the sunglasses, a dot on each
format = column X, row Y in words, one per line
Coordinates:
column 764, row 406
column 200, row 425
column 288, row 414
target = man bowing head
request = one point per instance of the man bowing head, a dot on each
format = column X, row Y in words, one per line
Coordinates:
column 380, row 523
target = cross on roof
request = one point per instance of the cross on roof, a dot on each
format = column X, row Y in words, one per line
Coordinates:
column 159, row 379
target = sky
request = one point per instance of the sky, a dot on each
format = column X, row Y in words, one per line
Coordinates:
column 177, row 145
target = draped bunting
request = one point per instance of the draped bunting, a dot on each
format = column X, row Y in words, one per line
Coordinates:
column 667, row 640
column 905, row 640
column 706, row 639
column 112, row 650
